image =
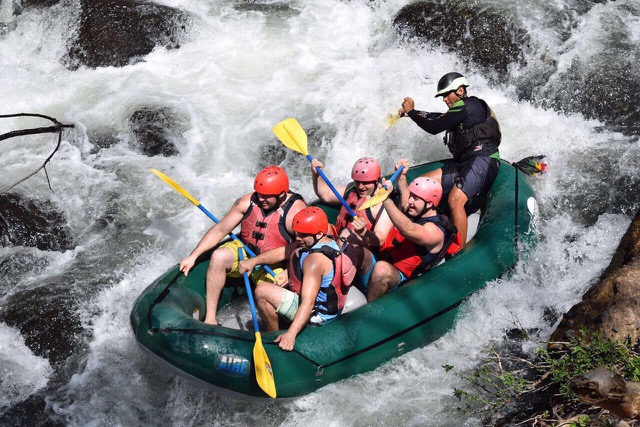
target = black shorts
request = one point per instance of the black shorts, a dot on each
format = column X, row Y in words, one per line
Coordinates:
column 474, row 177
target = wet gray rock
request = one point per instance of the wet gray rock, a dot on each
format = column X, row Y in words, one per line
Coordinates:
column 155, row 131
column 486, row 38
column 46, row 318
column 605, row 89
column 26, row 222
column 120, row 32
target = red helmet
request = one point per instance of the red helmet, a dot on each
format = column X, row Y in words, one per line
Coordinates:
column 311, row 220
column 427, row 189
column 271, row 180
column 365, row 170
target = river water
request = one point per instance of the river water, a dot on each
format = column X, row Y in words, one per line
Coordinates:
column 339, row 68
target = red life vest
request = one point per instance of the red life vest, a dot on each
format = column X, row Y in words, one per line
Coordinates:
column 333, row 293
column 411, row 258
column 344, row 219
column 261, row 230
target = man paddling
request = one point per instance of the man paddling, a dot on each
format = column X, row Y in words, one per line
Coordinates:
column 265, row 217
column 419, row 239
column 318, row 277
column 372, row 225
column 472, row 136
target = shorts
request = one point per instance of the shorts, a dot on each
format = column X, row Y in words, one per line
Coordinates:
column 474, row 177
column 258, row 274
column 289, row 304
column 361, row 281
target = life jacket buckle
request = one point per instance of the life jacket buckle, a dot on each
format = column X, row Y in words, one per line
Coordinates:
column 319, row 374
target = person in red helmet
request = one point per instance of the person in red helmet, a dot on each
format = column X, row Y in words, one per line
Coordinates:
column 317, row 279
column 265, row 217
column 372, row 225
column 419, row 239
column 472, row 136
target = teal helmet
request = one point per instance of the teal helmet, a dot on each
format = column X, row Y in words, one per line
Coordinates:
column 450, row 82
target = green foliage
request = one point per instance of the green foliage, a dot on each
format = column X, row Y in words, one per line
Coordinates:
column 491, row 385
column 500, row 379
column 586, row 352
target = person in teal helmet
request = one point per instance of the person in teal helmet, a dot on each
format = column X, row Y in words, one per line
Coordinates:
column 472, row 136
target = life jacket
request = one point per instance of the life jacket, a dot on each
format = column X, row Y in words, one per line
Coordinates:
column 344, row 219
column 333, row 291
column 481, row 139
column 413, row 259
column 261, row 230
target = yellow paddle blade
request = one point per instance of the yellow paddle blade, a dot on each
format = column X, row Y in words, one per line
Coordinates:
column 391, row 119
column 264, row 373
column 377, row 198
column 291, row 134
column 175, row 186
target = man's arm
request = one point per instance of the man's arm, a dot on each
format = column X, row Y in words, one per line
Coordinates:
column 428, row 235
column 269, row 257
column 435, row 123
column 218, row 232
column 322, row 190
column 314, row 267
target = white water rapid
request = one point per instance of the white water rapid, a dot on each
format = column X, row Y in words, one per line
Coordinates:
column 339, row 67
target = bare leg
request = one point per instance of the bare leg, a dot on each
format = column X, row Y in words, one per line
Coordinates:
column 220, row 264
column 457, row 200
column 384, row 277
column 268, row 297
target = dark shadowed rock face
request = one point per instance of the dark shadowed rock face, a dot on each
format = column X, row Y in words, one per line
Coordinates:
column 486, row 38
column 155, row 131
column 39, row 3
column 612, row 306
column 119, row 32
column 605, row 88
column 27, row 223
column 46, row 319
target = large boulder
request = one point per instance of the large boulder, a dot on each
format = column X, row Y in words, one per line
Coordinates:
column 486, row 38
column 612, row 306
column 46, row 317
column 155, row 131
column 29, row 223
column 605, row 88
column 120, row 32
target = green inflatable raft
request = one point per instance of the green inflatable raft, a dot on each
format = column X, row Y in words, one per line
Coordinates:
column 165, row 317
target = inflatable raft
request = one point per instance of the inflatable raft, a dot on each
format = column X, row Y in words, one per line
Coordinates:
column 166, row 316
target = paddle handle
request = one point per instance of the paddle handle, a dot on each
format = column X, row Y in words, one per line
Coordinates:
column 234, row 237
column 338, row 195
column 249, row 294
column 395, row 174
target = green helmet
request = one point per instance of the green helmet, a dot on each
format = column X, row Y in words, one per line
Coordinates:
column 450, row 82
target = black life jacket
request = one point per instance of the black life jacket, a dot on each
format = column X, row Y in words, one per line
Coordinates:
column 481, row 139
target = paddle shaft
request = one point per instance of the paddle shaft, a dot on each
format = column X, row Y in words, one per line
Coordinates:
column 234, row 237
column 396, row 173
column 197, row 204
column 338, row 195
column 250, row 294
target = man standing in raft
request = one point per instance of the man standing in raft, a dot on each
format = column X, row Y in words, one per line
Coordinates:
column 265, row 218
column 318, row 277
column 369, row 229
column 419, row 239
column 473, row 136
